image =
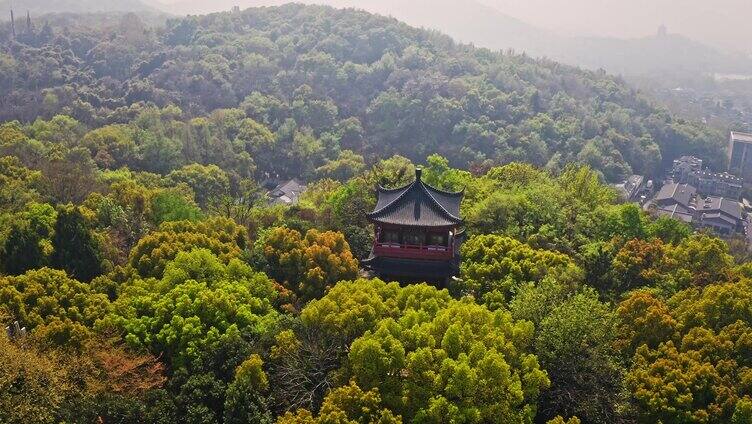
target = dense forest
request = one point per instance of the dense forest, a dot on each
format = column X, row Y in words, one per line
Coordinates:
column 156, row 283
column 345, row 78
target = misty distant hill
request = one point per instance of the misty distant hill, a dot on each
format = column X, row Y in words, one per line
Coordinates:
column 467, row 21
column 464, row 20
column 40, row 7
column 670, row 53
column 472, row 22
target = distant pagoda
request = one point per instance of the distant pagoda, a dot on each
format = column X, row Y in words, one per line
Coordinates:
column 418, row 233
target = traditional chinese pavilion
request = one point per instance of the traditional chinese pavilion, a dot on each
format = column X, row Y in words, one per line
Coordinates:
column 418, row 232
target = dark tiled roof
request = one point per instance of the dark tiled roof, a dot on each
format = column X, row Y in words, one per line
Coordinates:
column 679, row 193
column 676, row 211
column 417, row 204
column 721, row 205
column 287, row 192
column 720, row 217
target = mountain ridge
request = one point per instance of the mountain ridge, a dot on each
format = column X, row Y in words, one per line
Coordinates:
column 41, row 7
column 484, row 25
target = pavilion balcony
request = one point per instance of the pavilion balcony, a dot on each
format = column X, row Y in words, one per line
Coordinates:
column 411, row 251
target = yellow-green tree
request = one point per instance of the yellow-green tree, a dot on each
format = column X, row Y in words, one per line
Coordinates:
column 306, row 359
column 308, row 264
column 703, row 260
column 222, row 236
column 497, row 265
column 33, row 386
column 18, row 184
column 197, row 306
column 58, row 310
column 347, row 404
column 702, row 371
column 461, row 363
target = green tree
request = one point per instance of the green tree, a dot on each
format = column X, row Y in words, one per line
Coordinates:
column 244, row 402
column 198, row 305
column 69, row 175
column 669, row 230
column 346, row 404
column 76, row 250
column 111, row 146
column 55, row 308
column 23, row 250
column 497, row 265
column 347, row 165
column 308, row 265
column 221, row 236
column 28, row 244
column 575, row 344
column 207, row 182
column 169, row 206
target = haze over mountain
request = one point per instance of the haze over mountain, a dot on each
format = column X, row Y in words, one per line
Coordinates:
column 484, row 24
column 721, row 23
column 38, row 7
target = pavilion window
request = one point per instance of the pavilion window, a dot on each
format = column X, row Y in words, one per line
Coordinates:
column 437, row 239
column 414, row 238
column 390, row 236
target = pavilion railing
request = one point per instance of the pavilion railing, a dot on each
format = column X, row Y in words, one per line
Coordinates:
column 415, row 251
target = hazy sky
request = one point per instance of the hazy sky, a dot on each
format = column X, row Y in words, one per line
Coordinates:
column 723, row 23
column 726, row 23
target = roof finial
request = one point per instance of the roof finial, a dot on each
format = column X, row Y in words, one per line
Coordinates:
column 418, row 173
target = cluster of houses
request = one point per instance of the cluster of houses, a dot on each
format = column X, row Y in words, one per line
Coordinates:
column 697, row 196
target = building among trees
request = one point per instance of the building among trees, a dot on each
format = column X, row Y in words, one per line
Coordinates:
column 636, row 188
column 418, row 232
column 682, row 201
column 688, row 170
column 286, row 192
column 740, row 154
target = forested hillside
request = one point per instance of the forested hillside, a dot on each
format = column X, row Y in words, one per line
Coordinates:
column 145, row 276
column 348, row 80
